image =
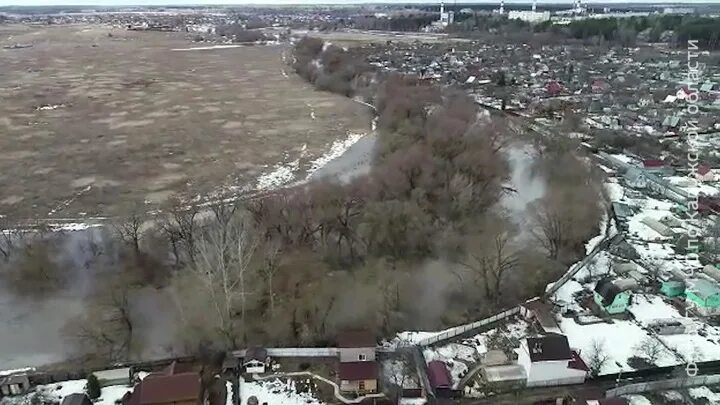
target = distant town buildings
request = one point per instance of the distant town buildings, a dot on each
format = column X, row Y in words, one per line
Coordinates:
column 529, row 16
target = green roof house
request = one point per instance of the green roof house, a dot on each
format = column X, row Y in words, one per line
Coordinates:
column 703, row 295
column 672, row 288
column 610, row 297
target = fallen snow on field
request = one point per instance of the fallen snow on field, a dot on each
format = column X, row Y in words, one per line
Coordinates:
column 409, row 338
column 282, row 174
column 274, row 392
column 694, row 347
column 207, row 48
column 704, row 392
column 619, row 341
column 228, row 393
column 649, row 308
column 615, row 191
column 516, row 329
column 638, row 400
column 336, row 150
column 692, row 186
column 564, row 295
column 453, row 351
column 450, row 357
column 57, row 391
column 4, row 373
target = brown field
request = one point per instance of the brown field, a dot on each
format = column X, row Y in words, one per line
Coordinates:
column 137, row 123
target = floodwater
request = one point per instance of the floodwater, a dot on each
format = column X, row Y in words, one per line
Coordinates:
column 31, row 328
column 528, row 186
column 354, row 162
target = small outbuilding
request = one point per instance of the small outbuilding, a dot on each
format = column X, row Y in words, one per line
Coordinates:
column 117, row 376
column 14, row 384
column 255, row 360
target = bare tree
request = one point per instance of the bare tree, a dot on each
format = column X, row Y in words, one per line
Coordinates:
column 106, row 330
column 180, row 227
column 650, row 348
column 271, row 259
column 130, row 229
column 224, row 269
column 597, row 356
column 489, row 259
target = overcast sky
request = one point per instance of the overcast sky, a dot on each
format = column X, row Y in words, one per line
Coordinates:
column 199, row 2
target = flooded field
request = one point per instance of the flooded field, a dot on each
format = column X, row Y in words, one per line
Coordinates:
column 97, row 121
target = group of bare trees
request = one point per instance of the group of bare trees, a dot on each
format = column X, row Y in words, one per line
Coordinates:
column 329, row 67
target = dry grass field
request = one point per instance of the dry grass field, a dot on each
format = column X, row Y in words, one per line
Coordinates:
column 93, row 124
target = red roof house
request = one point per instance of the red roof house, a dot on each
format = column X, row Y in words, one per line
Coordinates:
column 705, row 173
column 553, row 88
column 168, row 387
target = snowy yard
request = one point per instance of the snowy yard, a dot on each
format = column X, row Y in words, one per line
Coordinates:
column 57, row 391
column 276, row 391
column 619, row 341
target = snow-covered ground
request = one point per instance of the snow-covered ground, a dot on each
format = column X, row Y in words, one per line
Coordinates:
column 207, row 48
column 456, row 356
column 57, row 391
column 619, row 341
column 706, row 393
column 277, row 391
column 638, row 400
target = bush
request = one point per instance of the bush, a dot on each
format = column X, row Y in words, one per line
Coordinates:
column 93, row 387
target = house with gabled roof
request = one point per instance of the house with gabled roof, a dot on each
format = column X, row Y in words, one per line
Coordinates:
column 548, row 360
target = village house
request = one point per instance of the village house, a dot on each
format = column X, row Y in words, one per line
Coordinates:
column 703, row 295
column 171, row 386
column 358, row 370
column 548, row 360
column 611, row 297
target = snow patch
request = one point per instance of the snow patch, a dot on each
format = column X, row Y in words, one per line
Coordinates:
column 275, row 392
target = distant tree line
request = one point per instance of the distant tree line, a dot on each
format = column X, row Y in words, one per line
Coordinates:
column 240, row 33
column 329, row 68
column 626, row 31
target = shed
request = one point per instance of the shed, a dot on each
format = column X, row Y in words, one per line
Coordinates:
column 255, row 360
column 14, row 384
column 672, row 288
column 657, row 226
column 117, row 376
column 439, row 377
column 494, row 358
column 510, row 373
column 621, row 210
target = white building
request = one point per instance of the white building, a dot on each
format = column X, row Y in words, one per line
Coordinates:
column 549, row 361
column 446, row 17
column 529, row 16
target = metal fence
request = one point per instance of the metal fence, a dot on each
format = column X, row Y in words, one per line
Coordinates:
column 664, row 385
column 296, row 352
column 458, row 331
column 602, row 245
